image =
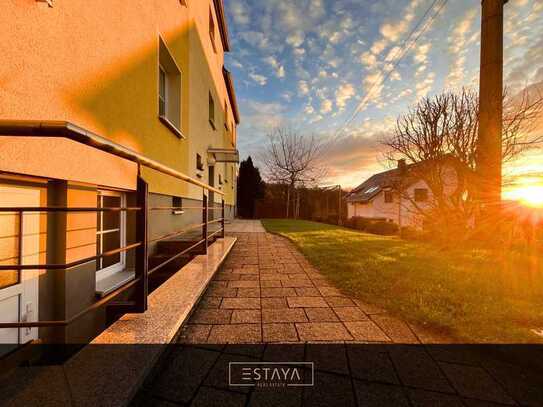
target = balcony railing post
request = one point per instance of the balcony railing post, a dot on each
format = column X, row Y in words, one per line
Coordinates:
column 204, row 220
column 142, row 287
column 222, row 218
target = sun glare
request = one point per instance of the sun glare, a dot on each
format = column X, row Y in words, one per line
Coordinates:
column 530, row 195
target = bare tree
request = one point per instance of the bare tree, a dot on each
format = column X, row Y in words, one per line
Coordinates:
column 444, row 129
column 292, row 159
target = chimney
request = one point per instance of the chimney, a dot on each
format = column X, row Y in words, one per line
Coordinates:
column 402, row 164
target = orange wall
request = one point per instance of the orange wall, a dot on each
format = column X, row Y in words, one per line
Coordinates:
column 95, row 63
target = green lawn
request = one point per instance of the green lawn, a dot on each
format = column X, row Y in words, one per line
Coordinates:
column 471, row 294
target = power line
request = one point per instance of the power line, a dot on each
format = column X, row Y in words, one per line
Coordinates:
column 403, row 50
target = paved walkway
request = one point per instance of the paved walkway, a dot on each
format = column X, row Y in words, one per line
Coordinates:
column 244, row 226
column 268, row 294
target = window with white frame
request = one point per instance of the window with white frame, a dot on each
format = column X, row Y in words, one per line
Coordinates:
column 110, row 233
column 169, row 90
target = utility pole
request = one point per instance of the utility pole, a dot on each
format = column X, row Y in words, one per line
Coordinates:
column 489, row 144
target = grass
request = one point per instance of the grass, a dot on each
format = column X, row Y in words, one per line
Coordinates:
column 473, row 295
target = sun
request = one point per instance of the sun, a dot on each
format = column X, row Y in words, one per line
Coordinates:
column 530, row 195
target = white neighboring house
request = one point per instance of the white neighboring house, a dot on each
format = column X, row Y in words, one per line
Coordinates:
column 379, row 197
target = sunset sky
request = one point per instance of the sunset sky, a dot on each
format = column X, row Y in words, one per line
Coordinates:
column 307, row 64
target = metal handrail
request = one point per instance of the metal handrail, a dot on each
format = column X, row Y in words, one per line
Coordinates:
column 77, row 134
column 33, row 128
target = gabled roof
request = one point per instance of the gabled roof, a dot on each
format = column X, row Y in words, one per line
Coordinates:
column 370, row 188
column 223, row 27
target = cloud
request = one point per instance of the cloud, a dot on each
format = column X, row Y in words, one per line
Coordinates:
column 296, row 39
column 239, row 13
column 459, row 41
column 326, row 106
column 303, row 88
column 279, row 69
column 343, row 94
column 309, row 109
column 368, row 59
column 260, row 79
column 280, row 72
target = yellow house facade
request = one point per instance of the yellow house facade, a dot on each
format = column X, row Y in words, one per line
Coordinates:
column 147, row 75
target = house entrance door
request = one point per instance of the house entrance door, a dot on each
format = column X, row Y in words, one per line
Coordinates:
column 19, row 244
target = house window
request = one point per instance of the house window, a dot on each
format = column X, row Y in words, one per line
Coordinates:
column 220, row 179
column 169, row 90
column 225, row 115
column 421, row 194
column 199, row 163
column 177, row 205
column 110, row 233
column 212, row 30
column 389, row 197
column 211, row 111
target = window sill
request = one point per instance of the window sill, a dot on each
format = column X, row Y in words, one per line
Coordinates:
column 212, row 124
column 171, row 127
column 110, row 283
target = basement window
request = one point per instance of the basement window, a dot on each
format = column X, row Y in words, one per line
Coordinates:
column 177, row 205
column 199, row 163
column 169, row 91
column 211, row 111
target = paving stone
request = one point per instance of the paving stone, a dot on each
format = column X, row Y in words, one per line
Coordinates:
column 194, row 333
column 283, row 397
column 368, row 308
column 371, row 363
column 246, row 316
column 283, row 315
column 227, row 277
column 298, row 276
column 307, row 292
column 322, row 331
column 417, row 369
column 276, row 302
column 321, row 315
column 330, row 292
column 218, row 284
column 277, row 292
column 328, row 357
column 340, row 302
column 249, row 277
column 377, row 395
column 235, row 333
column 243, row 284
column 306, row 302
column 182, row 376
column 211, row 316
column 271, row 284
column 278, row 332
column 240, row 303
column 270, row 277
column 209, row 396
column 330, row 390
column 424, row 398
column 396, row 329
column 221, row 292
column 366, row 331
column 296, row 283
column 210, row 302
column 350, row 314
column 475, row 382
column 249, row 292
column 524, row 383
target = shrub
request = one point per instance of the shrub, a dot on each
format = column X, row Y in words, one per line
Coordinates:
column 382, row 228
column 359, row 223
